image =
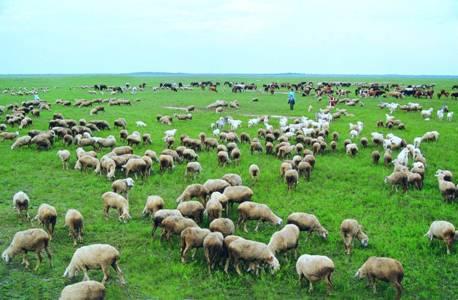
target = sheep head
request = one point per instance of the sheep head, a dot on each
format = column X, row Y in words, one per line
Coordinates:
column 7, row 255
column 272, row 261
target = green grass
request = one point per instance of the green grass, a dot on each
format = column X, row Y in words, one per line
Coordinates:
column 341, row 187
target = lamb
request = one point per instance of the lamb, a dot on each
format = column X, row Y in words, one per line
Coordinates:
column 349, row 229
column 256, row 211
column 236, row 194
column 223, row 225
column 430, row 136
column 233, row 179
column 442, row 230
column 214, row 208
column 165, row 162
column 152, row 205
column 160, row 215
column 84, row 290
column 140, row 124
column 192, row 209
column 285, row 239
column 213, row 248
column 382, row 268
column 315, row 268
column 447, row 188
column 122, row 186
column 47, row 217
column 291, row 178
column 426, row 113
column 175, row 225
column 21, row 141
column 351, row 149
column 21, row 202
column 74, row 222
column 254, row 172
column 192, row 237
column 64, row 156
column 118, row 202
column 193, row 190
column 87, row 161
column 397, row 179
column 252, row 252
column 92, row 257
column 307, row 222
column 450, row 116
column 223, row 158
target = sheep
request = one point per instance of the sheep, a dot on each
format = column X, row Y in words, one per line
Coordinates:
column 430, row 136
column 84, row 290
column 236, row 194
column 233, row 179
column 446, row 174
column 9, row 135
column 450, row 116
column 193, row 169
column 116, row 201
column 304, row 169
column 34, row 239
column 214, row 208
column 86, row 161
column 397, row 179
column 213, row 248
column 364, row 142
column 387, row 157
column 165, row 162
column 291, row 178
column 21, row 141
column 285, row 239
column 175, row 224
column 307, row 222
column 137, row 166
column 382, row 268
column 254, row 172
column 447, row 188
column 122, row 150
column 252, row 252
column 349, row 229
column 140, row 124
column 426, row 113
column 92, row 257
column 151, row 154
column 223, row 158
column 310, row 159
column 375, row 157
column 160, row 215
column 415, row 180
column 223, row 225
column 256, row 211
column 80, row 152
column 442, row 230
column 215, row 185
column 193, row 190
column 21, row 203
column 74, row 222
column 64, row 156
column 351, row 149
column 122, row 186
column 120, row 123
column 47, row 217
column 109, row 166
column 192, row 237
column 315, row 268
column 192, row 209
column 284, row 167
column 153, row 204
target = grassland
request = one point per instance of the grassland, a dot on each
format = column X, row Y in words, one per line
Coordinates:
column 340, row 187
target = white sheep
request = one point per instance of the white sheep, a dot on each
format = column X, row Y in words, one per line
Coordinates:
column 64, row 156
column 442, row 230
column 315, row 268
column 84, row 290
column 118, row 202
column 140, row 124
column 21, row 202
column 450, row 116
column 285, row 239
column 256, row 211
column 74, row 222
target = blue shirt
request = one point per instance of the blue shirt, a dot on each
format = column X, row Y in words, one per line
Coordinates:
column 291, row 97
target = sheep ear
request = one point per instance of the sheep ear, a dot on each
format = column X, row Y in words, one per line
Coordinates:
column 271, row 258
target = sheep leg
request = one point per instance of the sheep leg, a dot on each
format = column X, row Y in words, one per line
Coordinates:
column 257, row 226
column 49, row 255
column 310, row 287
column 86, row 276
column 25, row 261
column 207, row 257
column 329, row 282
column 226, row 265
column 105, row 273
column 39, row 260
column 398, row 287
column 448, row 243
column 237, row 266
column 374, row 285
column 194, row 253
column 118, row 270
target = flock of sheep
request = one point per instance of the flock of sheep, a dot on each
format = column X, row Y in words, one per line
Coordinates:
column 297, row 144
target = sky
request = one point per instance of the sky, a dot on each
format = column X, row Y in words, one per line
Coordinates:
column 229, row 36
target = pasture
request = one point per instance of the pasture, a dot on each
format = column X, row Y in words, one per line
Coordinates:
column 340, row 187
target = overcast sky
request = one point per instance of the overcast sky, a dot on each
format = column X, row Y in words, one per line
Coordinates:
column 229, row 36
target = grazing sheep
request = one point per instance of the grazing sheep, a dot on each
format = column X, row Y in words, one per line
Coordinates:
column 21, row 141
column 87, row 161
column 175, row 224
column 64, row 156
column 285, row 239
column 256, row 211
column 9, row 135
column 315, row 268
column 122, row 186
column 21, row 202
column 387, row 157
column 307, row 222
column 447, row 188
column 193, row 190
column 351, row 149
column 118, row 202
column 223, row 225
column 160, row 215
column 192, row 209
column 291, row 178
column 213, row 248
column 93, row 257
column 193, row 169
column 152, row 205
column 233, row 179
column 192, row 237
column 214, row 208
column 165, row 162
column 349, row 229
column 237, row 194
column 215, row 185
column 397, row 179
column 446, row 174
column 254, row 172
column 120, row 123
column 223, row 158
column 364, row 142
column 442, row 230
column 84, row 290
column 34, row 239
column 284, row 167
column 74, row 222
column 415, row 180
column 430, row 136
column 253, row 253
column 382, row 268
column 122, row 150
column 136, row 166
column 375, row 157
column 304, row 169
column 47, row 217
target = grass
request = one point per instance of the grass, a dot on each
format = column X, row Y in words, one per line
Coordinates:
column 341, row 187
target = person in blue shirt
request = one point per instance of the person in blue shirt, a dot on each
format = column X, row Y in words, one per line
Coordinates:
column 291, row 99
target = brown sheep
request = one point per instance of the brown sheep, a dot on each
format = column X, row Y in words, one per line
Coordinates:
column 192, row 209
column 74, row 222
column 223, row 225
column 256, row 211
column 47, row 217
column 192, row 237
column 175, row 225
